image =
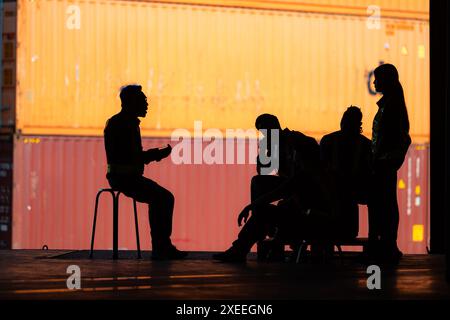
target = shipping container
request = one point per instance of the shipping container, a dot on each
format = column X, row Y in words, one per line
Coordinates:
column 56, row 180
column 218, row 62
column 6, row 184
column 196, row 62
column 413, row 202
column 391, row 8
column 8, row 19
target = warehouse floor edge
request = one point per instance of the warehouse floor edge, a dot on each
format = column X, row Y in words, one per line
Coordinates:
column 37, row 275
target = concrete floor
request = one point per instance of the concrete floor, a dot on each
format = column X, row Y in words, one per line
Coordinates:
column 37, row 274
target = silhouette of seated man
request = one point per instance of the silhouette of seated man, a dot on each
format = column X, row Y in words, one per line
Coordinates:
column 296, row 157
column 126, row 160
column 346, row 156
column 328, row 210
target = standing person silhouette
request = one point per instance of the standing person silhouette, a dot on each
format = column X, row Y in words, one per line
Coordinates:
column 390, row 142
column 126, row 160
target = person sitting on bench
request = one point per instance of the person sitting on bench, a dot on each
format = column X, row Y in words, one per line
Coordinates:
column 298, row 157
column 346, row 156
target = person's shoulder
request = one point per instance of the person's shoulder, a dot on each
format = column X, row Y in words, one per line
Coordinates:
column 118, row 119
column 330, row 137
column 295, row 134
column 365, row 143
column 364, row 139
column 114, row 122
column 302, row 138
column 114, row 118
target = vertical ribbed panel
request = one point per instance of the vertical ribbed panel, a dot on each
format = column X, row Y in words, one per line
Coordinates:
column 56, row 180
column 221, row 65
column 413, row 201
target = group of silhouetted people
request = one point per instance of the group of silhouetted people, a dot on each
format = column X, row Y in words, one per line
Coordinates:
column 312, row 193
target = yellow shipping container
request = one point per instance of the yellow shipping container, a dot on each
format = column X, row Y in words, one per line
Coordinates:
column 415, row 9
column 222, row 63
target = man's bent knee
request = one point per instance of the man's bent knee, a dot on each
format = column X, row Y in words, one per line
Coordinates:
column 170, row 197
column 166, row 196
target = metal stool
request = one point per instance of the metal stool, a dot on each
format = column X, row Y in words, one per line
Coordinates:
column 115, row 194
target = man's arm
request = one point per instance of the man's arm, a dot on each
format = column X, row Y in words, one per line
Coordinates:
column 156, row 154
column 151, row 155
column 267, row 198
column 263, row 151
column 260, row 165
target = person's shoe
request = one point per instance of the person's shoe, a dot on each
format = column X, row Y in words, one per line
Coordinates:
column 169, row 254
column 231, row 255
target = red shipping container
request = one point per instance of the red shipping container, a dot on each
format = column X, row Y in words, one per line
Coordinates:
column 56, row 180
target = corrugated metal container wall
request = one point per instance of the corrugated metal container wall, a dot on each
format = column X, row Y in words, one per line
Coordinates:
column 390, row 8
column 6, row 182
column 414, row 197
column 198, row 62
column 413, row 202
column 56, row 179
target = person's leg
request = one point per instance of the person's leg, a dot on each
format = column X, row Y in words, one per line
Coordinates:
column 161, row 215
column 256, row 228
column 257, row 225
column 387, row 214
column 262, row 184
column 375, row 212
column 390, row 230
column 161, row 204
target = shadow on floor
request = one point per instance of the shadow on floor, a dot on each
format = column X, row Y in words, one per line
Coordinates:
column 38, row 275
column 125, row 255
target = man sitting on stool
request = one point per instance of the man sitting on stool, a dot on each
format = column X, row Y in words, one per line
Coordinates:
column 126, row 160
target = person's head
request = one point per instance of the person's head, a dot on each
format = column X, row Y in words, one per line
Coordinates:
column 267, row 122
column 351, row 121
column 134, row 100
column 386, row 78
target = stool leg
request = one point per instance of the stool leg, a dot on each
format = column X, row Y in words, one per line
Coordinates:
column 300, row 250
column 116, row 227
column 94, row 224
column 137, row 229
column 339, row 251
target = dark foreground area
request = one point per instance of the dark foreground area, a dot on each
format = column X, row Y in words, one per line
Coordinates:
column 39, row 274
